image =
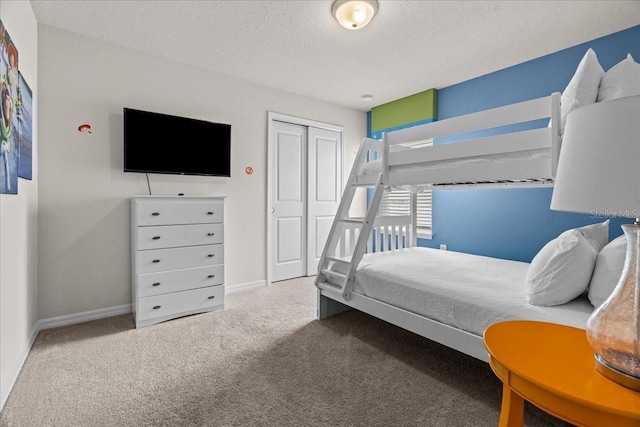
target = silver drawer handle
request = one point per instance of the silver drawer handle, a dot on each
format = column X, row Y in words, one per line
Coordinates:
column 211, row 255
column 211, row 276
column 156, row 237
column 211, row 234
column 155, row 214
column 155, row 307
column 156, row 284
column 211, row 297
column 155, row 261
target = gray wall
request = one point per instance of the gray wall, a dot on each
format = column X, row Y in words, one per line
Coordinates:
column 84, row 218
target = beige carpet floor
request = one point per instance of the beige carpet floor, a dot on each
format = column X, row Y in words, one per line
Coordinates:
column 263, row 361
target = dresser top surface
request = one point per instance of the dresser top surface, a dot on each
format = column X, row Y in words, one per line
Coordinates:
column 179, row 197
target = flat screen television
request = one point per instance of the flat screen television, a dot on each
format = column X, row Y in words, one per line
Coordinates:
column 167, row 144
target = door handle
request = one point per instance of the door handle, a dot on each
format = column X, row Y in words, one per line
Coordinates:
column 272, row 210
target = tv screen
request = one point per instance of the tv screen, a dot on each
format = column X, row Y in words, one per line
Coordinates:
column 162, row 143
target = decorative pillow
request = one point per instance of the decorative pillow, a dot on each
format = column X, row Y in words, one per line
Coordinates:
column 561, row 270
column 583, row 86
column 607, row 271
column 596, row 234
column 623, row 79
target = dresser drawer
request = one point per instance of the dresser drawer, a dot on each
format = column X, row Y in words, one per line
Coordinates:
column 177, row 302
column 177, row 211
column 171, row 236
column 179, row 280
column 155, row 260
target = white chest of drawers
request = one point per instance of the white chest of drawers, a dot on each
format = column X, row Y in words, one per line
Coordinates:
column 177, row 250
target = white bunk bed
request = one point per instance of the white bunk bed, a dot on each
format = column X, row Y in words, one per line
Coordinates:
column 413, row 287
column 522, row 157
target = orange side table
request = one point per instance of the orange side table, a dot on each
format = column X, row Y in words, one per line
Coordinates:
column 552, row 366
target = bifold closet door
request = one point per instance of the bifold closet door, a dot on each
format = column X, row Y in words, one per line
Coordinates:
column 288, row 171
column 324, row 179
column 305, row 173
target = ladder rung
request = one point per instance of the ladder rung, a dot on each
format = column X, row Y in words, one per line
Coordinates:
column 352, row 220
column 363, row 181
column 328, row 272
column 339, row 261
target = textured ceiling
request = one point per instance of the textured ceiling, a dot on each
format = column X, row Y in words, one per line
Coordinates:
column 297, row 46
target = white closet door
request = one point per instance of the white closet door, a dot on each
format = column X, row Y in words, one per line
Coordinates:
column 324, row 190
column 288, row 215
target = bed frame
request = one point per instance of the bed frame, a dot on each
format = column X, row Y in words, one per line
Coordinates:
column 400, row 165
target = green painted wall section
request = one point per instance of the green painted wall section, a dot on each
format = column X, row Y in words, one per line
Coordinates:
column 413, row 108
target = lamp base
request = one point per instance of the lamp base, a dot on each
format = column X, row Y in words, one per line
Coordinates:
column 616, row 375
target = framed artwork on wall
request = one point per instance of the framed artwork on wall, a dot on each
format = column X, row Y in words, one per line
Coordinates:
column 24, row 112
column 9, row 135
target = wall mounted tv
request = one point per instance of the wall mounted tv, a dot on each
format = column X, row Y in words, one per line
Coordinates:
column 162, row 143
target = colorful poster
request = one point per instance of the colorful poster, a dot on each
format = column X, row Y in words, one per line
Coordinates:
column 24, row 111
column 9, row 139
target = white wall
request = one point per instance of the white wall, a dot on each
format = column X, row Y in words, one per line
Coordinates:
column 19, row 220
column 84, row 195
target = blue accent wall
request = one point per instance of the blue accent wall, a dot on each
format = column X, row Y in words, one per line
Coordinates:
column 515, row 223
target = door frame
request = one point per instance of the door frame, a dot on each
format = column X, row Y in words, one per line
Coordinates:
column 279, row 117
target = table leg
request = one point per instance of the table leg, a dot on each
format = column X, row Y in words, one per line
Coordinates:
column 512, row 411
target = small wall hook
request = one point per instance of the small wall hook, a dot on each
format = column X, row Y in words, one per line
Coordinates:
column 85, row 128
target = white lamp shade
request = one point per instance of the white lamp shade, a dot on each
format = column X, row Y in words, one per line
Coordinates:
column 599, row 165
column 354, row 14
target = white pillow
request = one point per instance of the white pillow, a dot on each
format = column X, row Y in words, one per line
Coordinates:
column 596, row 234
column 623, row 79
column 561, row 270
column 607, row 271
column 583, row 86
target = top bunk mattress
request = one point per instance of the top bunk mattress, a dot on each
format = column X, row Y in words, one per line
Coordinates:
column 468, row 292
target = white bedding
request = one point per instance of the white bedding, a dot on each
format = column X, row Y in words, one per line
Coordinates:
column 468, row 292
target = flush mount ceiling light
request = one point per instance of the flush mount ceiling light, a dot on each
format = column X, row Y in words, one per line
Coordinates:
column 354, row 14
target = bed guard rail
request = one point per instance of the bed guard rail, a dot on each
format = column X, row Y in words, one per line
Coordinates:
column 395, row 148
column 389, row 233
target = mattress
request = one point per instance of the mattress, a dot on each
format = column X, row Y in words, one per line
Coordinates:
column 468, row 292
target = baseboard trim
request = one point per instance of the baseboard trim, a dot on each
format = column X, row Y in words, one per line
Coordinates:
column 84, row 316
column 101, row 313
column 241, row 287
column 6, row 390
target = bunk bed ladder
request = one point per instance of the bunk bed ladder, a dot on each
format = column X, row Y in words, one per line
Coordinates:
column 344, row 268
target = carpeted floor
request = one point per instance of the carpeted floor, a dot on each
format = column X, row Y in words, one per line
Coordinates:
column 263, row 361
